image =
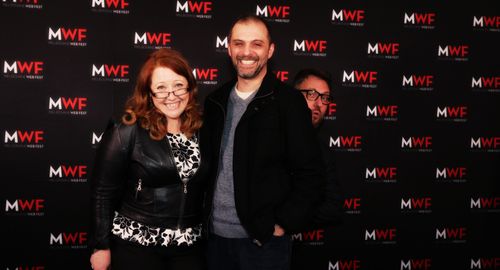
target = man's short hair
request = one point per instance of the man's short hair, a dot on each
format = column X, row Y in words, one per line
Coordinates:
column 303, row 74
column 251, row 18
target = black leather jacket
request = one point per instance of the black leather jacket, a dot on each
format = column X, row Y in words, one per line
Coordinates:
column 137, row 176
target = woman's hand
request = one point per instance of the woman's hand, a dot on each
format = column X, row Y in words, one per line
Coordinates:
column 100, row 259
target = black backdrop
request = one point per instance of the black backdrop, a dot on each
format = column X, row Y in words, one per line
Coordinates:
column 414, row 128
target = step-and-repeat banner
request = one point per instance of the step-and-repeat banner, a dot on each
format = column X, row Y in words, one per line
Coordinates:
column 415, row 126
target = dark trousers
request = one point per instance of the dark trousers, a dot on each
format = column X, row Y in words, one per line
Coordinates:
column 243, row 254
column 126, row 255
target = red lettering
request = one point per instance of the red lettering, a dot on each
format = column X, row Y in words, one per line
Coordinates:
column 421, row 141
column 389, row 48
column 115, row 3
column 365, row 76
column 353, row 15
column 27, row 136
column 30, row 66
column 332, row 108
column 457, row 111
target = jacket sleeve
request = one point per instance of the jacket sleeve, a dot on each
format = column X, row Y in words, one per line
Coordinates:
column 305, row 163
column 107, row 181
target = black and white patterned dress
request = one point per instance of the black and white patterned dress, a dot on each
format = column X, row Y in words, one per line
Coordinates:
column 186, row 154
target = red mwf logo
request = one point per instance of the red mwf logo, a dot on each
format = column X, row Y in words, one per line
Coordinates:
column 110, row 6
column 27, row 207
column 454, row 174
column 206, row 75
column 68, row 105
column 344, row 265
column 68, row 36
column 383, row 235
column 456, row 234
column 420, row 20
column 485, row 203
column 419, row 205
column 358, row 78
column 452, row 113
column 485, row 263
column 310, row 47
column 351, row 17
column 421, row 144
column 24, row 138
column 383, row 50
column 68, row 240
column 352, row 205
column 346, row 143
column 416, row 264
column 491, row 23
column 68, row 173
column 17, row 69
column 484, row 83
column 382, row 112
column 197, row 9
column 314, row 237
column 274, row 13
column 381, row 174
column 418, row 82
column 152, row 40
column 453, row 52
column 109, row 72
column 331, row 112
column 282, row 75
column 490, row 144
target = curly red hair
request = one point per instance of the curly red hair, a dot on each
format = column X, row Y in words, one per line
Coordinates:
column 139, row 106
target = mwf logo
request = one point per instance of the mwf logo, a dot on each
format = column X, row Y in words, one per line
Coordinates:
column 346, row 143
column 491, row 23
column 68, row 36
column 96, row 138
column 274, row 13
column 68, row 105
column 382, row 236
column 110, row 73
column 110, row 6
column 418, row 205
column 350, row 17
column 31, row 70
column 68, row 173
column 453, row 52
column 490, row 204
column 68, row 240
column 344, row 265
column 24, row 138
column 490, row 84
column 452, row 174
column 221, row 44
column 452, row 113
column 383, row 50
column 33, row 4
column 453, row 235
column 381, row 174
column 418, row 82
column 310, row 47
column 419, row 20
column 25, row 207
column 352, row 206
column 196, row 9
column 152, row 40
column 358, row 78
column 282, row 75
column 419, row 144
column 485, row 263
column 416, row 264
column 382, row 112
column 206, row 75
column 489, row 144
column 314, row 238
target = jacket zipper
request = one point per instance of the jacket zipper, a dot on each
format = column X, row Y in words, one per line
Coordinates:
column 138, row 188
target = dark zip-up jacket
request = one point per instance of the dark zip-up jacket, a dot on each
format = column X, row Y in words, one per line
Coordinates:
column 278, row 168
column 137, row 176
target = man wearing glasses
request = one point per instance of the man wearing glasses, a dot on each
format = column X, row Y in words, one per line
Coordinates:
column 315, row 85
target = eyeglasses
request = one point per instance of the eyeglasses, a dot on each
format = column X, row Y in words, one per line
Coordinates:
column 312, row 95
column 162, row 95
